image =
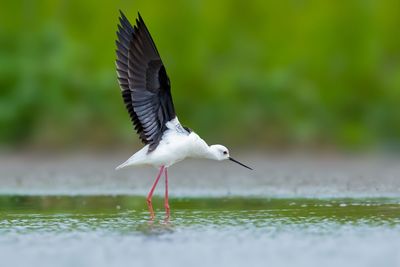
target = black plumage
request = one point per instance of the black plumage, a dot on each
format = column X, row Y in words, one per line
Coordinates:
column 144, row 81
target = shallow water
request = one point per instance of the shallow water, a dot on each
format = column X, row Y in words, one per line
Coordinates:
column 116, row 231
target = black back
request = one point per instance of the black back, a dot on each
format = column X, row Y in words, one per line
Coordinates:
column 144, row 81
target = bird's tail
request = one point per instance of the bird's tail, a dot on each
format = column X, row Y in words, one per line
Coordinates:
column 123, row 165
column 136, row 159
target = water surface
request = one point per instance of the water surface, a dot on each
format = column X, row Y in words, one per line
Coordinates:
column 116, row 231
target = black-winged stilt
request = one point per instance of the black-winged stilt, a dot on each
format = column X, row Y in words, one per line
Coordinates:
column 146, row 92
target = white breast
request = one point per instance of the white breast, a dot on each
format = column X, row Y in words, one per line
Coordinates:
column 175, row 145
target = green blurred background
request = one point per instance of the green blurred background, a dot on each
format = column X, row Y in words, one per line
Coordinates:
column 277, row 74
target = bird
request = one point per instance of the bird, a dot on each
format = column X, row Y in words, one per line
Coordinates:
column 146, row 92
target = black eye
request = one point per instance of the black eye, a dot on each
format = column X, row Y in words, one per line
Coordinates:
column 225, row 152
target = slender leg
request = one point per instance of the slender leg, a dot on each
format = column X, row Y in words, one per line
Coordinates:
column 150, row 195
column 166, row 204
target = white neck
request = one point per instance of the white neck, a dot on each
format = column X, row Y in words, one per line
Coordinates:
column 210, row 154
column 202, row 149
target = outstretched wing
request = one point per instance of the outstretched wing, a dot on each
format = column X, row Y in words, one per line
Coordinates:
column 144, row 81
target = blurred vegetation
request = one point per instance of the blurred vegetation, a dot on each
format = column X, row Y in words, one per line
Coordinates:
column 276, row 73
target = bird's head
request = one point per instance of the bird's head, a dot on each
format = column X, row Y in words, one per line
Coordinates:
column 219, row 152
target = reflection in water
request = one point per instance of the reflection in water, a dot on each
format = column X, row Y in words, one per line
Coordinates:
column 114, row 231
column 128, row 214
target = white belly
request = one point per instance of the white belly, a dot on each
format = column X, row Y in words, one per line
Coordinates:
column 170, row 150
column 174, row 147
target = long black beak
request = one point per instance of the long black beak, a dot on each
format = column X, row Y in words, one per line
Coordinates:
column 234, row 160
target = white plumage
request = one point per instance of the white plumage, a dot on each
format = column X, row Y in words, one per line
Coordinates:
column 175, row 146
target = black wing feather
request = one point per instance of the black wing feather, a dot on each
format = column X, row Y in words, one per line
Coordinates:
column 143, row 80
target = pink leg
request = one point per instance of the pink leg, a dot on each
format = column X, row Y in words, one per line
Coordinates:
column 150, row 195
column 166, row 204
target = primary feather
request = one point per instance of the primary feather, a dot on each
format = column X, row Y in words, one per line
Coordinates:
column 144, row 81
